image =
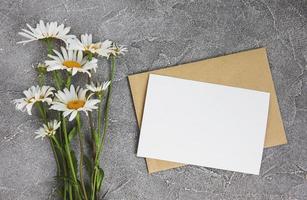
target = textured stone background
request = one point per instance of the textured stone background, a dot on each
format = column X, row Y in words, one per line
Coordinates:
column 159, row 33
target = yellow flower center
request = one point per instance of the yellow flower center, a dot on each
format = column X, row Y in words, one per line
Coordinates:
column 71, row 64
column 75, row 104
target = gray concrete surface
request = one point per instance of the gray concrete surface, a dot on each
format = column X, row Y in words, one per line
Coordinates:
column 158, row 33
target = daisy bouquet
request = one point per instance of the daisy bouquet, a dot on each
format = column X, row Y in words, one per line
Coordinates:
column 64, row 108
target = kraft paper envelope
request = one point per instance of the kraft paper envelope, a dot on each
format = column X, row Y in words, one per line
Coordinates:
column 249, row 69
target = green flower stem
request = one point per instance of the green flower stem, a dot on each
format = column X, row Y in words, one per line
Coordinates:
column 56, row 80
column 43, row 114
column 67, row 149
column 81, row 137
column 90, row 120
column 56, row 157
column 55, row 74
column 41, row 79
column 57, row 161
column 49, row 42
column 68, row 82
column 99, row 112
column 58, row 83
column 42, row 111
column 100, row 97
column 58, row 145
column 59, row 77
column 106, row 119
column 70, row 193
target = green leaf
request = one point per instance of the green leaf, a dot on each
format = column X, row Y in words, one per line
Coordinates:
column 100, row 176
column 72, row 134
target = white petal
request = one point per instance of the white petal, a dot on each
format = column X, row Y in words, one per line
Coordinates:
column 67, row 112
column 73, row 115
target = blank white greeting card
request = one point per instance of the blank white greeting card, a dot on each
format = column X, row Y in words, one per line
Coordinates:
column 204, row 124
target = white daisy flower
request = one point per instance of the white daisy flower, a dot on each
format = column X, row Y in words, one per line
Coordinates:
column 117, row 50
column 72, row 61
column 98, row 87
column 71, row 101
column 42, row 31
column 48, row 129
column 32, row 95
column 86, row 44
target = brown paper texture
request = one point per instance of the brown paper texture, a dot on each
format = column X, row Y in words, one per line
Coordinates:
column 249, row 69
